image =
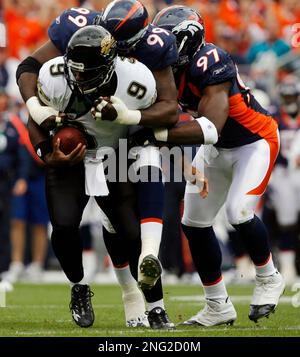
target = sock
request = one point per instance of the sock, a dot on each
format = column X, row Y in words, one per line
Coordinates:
column 206, row 253
column 255, row 238
column 150, row 203
column 151, row 231
column 154, row 294
column 216, row 291
column 158, row 303
column 133, row 301
column 125, row 279
column 67, row 247
column 267, row 268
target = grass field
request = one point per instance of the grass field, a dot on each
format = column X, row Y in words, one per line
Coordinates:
column 42, row 310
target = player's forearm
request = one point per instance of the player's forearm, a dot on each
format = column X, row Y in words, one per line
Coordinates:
column 36, row 133
column 27, row 85
column 162, row 113
column 190, row 133
column 198, row 131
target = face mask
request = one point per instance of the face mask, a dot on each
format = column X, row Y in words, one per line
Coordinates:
column 291, row 108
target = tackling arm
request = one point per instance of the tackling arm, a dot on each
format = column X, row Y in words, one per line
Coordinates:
column 164, row 111
column 161, row 113
column 27, row 72
column 213, row 107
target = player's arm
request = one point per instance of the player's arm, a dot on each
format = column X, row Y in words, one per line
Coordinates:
column 213, row 111
column 164, row 111
column 52, row 156
column 27, row 75
column 28, row 69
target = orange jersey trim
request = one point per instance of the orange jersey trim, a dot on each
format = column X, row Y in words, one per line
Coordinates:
column 274, row 149
column 257, row 123
column 263, row 125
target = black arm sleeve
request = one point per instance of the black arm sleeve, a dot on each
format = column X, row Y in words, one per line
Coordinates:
column 29, row 65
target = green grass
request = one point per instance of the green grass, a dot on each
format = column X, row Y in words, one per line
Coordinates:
column 42, row 310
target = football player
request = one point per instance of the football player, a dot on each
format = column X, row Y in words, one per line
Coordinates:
column 238, row 165
column 284, row 187
column 127, row 20
column 70, row 85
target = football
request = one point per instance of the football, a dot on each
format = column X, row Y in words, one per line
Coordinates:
column 69, row 137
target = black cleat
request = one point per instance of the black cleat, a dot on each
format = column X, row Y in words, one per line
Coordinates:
column 259, row 311
column 159, row 320
column 149, row 272
column 81, row 305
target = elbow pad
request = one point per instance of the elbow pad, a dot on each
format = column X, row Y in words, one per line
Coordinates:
column 210, row 133
column 29, row 65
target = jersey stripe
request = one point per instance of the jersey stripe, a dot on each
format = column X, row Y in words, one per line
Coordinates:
column 274, row 149
column 131, row 12
column 257, row 123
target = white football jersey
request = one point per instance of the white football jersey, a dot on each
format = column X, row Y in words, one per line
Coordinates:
column 136, row 87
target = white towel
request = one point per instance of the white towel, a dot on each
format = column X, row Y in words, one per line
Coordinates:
column 95, row 181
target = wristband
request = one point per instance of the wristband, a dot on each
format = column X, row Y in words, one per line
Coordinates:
column 210, row 133
column 161, row 134
column 134, row 117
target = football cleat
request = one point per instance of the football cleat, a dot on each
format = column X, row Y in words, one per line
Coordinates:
column 159, row 320
column 214, row 313
column 81, row 305
column 149, row 272
column 140, row 321
column 134, row 307
column 266, row 295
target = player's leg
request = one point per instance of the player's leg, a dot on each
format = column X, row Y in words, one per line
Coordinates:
column 122, row 242
column 150, row 201
column 17, row 238
column 66, row 199
column 285, row 202
column 38, row 219
column 251, row 171
column 121, row 209
column 198, row 218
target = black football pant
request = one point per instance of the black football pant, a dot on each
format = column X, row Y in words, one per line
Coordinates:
column 66, row 198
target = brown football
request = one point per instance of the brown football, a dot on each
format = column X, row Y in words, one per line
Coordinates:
column 69, row 137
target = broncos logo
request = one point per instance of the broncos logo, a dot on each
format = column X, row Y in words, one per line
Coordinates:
column 188, row 25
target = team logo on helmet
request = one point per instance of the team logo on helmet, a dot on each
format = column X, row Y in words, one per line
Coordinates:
column 188, row 25
column 106, row 44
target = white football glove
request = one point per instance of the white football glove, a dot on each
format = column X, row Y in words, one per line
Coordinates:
column 117, row 111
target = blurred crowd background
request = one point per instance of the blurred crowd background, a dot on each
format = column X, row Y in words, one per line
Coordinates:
column 263, row 37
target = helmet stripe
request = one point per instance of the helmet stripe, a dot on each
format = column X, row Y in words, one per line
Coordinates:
column 134, row 9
